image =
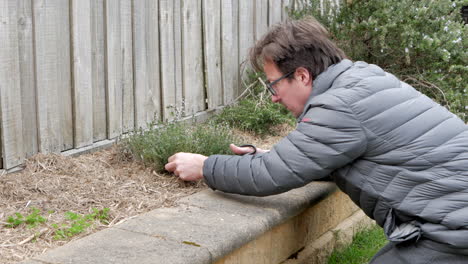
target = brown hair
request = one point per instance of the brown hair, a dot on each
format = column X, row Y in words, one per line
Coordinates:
column 298, row 43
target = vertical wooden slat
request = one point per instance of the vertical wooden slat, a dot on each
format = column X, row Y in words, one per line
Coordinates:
column 261, row 18
column 114, row 69
column 178, row 56
column 10, row 93
column 27, row 83
column 167, row 53
column 285, row 7
column 64, row 73
column 230, row 49
column 274, row 7
column 246, row 28
column 322, row 9
column 98, row 69
column 120, row 94
column 146, row 50
column 192, row 56
column 212, row 52
column 128, row 108
column 53, row 74
column 82, row 77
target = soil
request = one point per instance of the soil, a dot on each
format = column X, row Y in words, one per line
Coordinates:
column 58, row 184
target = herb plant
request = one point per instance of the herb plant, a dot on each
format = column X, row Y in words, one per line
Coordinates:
column 155, row 145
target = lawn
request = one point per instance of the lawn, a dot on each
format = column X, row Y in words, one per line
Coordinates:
column 365, row 245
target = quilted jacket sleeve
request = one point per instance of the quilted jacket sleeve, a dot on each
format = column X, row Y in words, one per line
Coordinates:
column 329, row 137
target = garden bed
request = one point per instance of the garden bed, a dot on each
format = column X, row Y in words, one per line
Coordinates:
column 65, row 190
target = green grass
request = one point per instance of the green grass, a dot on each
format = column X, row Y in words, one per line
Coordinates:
column 365, row 245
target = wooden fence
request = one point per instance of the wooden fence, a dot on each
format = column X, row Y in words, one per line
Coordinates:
column 76, row 72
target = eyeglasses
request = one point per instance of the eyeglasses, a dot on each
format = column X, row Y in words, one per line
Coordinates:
column 269, row 85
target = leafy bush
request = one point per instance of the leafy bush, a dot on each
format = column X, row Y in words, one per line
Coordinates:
column 421, row 41
column 255, row 112
column 155, row 145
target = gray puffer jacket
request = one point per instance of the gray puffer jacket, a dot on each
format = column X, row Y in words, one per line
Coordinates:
column 400, row 156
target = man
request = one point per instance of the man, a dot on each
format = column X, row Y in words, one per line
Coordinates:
column 400, row 157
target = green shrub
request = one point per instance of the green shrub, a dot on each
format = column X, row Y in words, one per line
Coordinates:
column 255, row 112
column 155, row 145
column 421, row 41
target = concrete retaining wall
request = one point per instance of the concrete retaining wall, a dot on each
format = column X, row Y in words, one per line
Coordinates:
column 300, row 226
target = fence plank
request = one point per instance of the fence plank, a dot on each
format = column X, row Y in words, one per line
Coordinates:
column 53, row 74
column 285, row 7
column 82, row 77
column 261, row 18
column 114, row 69
column 10, row 93
column 179, row 78
column 212, row 52
column 230, row 49
column 167, row 53
column 146, row 50
column 128, row 108
column 98, row 70
column 246, row 33
column 246, row 28
column 275, row 8
column 27, row 77
column 192, row 56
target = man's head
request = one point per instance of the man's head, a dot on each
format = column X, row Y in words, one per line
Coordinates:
column 301, row 50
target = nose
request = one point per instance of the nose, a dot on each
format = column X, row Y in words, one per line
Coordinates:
column 275, row 98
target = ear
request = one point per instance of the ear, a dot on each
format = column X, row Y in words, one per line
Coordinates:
column 304, row 76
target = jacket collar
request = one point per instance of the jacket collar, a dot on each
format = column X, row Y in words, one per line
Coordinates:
column 325, row 80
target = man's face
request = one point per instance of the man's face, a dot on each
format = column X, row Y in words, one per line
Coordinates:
column 292, row 93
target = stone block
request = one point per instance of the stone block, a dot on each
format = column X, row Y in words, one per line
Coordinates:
column 114, row 246
column 274, row 209
column 346, row 230
column 274, row 246
column 217, row 231
column 327, row 214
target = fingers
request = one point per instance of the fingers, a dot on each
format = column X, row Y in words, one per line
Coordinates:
column 171, row 166
column 187, row 166
column 240, row 150
column 172, row 158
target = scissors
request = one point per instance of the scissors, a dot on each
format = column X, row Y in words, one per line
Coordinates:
column 249, row 145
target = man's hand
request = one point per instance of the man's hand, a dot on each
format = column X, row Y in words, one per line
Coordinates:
column 188, row 166
column 244, row 150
